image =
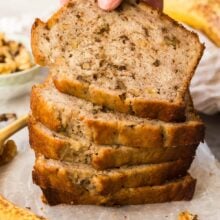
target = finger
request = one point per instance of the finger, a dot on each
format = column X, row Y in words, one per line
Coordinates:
column 158, row 4
column 109, row 5
column 62, row 2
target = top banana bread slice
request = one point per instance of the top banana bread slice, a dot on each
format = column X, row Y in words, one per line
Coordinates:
column 133, row 60
column 77, row 117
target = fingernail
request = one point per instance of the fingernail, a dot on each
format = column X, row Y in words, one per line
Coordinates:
column 63, row 2
column 109, row 5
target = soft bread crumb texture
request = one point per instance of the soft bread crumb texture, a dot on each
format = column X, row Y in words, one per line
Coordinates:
column 74, row 116
column 134, row 53
column 57, row 146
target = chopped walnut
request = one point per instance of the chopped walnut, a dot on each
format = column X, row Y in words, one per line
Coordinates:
column 86, row 66
column 171, row 41
column 120, row 85
column 156, row 63
column 14, row 57
column 104, row 28
column 187, row 216
column 151, row 91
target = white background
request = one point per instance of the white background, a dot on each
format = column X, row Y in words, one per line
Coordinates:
column 19, row 7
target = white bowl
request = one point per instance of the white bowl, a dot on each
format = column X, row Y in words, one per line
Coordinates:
column 19, row 83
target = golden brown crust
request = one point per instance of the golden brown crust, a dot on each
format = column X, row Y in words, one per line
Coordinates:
column 105, row 182
column 157, row 109
column 35, row 38
column 38, row 55
column 113, row 132
column 48, row 145
column 182, row 189
column 181, row 135
column 109, row 158
column 43, row 111
column 53, row 146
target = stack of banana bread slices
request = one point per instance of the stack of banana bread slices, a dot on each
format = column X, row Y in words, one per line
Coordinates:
column 114, row 122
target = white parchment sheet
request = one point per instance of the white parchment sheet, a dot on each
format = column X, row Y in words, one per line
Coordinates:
column 16, row 185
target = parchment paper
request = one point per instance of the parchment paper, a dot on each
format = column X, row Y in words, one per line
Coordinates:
column 16, row 185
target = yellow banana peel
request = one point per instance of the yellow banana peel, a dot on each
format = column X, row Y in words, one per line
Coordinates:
column 203, row 15
column 8, row 211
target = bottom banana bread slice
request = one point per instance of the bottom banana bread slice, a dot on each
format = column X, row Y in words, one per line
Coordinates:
column 177, row 190
column 55, row 174
column 77, row 150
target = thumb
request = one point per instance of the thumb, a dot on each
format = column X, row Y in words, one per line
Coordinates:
column 109, row 5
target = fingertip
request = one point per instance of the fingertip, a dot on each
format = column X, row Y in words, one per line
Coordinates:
column 62, row 2
column 109, row 5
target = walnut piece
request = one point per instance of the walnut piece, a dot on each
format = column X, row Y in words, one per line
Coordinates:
column 187, row 216
column 14, row 57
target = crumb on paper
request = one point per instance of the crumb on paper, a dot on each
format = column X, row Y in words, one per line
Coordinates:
column 187, row 216
column 7, row 116
column 9, row 152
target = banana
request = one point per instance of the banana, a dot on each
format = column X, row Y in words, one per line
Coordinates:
column 203, row 15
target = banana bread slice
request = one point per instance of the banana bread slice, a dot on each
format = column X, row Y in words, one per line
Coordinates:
column 176, row 190
column 59, row 147
column 106, row 181
column 77, row 117
column 133, row 60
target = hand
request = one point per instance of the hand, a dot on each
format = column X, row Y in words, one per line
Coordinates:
column 63, row 2
column 109, row 5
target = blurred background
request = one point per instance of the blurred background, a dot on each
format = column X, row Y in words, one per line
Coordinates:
column 31, row 7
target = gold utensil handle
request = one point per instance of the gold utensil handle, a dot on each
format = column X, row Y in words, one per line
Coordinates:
column 12, row 128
